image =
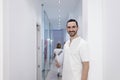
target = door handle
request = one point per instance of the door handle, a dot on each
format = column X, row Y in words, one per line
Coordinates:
column 38, row 66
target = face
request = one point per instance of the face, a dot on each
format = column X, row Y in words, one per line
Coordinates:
column 72, row 29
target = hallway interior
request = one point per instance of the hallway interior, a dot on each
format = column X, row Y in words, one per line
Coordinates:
column 30, row 30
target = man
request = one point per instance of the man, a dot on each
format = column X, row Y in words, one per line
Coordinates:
column 76, row 55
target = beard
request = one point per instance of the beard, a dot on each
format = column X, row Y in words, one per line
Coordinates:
column 72, row 33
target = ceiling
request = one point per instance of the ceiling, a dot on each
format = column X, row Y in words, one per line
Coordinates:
column 58, row 11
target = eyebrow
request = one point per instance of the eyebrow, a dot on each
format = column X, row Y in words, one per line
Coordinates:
column 71, row 26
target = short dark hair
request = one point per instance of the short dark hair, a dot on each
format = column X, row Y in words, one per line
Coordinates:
column 72, row 20
column 58, row 45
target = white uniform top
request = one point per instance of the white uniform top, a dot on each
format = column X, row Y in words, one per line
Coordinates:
column 59, row 58
column 74, row 54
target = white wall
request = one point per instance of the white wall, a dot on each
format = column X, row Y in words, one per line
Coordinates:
column 19, row 40
column 104, row 39
column 111, row 21
column 84, row 28
column 95, row 39
column 1, row 39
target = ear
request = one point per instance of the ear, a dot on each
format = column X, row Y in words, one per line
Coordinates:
column 78, row 27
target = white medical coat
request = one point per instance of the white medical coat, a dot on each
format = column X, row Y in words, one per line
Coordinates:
column 74, row 54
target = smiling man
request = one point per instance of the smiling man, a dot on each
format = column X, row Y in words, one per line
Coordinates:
column 76, row 54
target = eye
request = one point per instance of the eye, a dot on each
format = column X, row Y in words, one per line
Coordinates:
column 68, row 27
column 73, row 26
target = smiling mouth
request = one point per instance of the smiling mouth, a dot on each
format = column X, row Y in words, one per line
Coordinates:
column 71, row 33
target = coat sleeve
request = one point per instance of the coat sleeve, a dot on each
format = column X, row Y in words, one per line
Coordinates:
column 84, row 52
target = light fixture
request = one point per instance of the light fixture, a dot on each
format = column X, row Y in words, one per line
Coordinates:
column 59, row 15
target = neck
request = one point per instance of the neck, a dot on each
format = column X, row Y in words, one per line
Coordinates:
column 71, row 38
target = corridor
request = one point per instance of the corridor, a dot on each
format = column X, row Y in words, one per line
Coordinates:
column 30, row 30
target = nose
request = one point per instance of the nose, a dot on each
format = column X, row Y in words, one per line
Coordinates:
column 70, row 29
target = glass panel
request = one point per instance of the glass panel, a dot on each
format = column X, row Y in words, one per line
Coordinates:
column 47, row 46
